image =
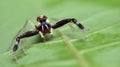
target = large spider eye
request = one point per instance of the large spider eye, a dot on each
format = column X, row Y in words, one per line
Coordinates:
column 41, row 18
column 45, row 17
column 38, row 19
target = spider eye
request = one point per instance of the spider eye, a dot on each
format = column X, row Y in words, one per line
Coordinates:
column 45, row 17
column 41, row 18
column 38, row 19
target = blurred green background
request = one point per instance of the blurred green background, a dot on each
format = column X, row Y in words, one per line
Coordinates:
column 101, row 17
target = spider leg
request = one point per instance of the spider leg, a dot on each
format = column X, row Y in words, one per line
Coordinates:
column 24, row 35
column 42, row 36
column 65, row 21
column 11, row 45
column 56, row 19
column 22, row 46
column 22, row 41
column 51, row 33
column 20, row 31
column 71, row 27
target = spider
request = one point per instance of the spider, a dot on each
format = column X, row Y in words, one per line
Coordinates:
column 43, row 27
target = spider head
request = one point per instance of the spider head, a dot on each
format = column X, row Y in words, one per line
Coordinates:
column 41, row 18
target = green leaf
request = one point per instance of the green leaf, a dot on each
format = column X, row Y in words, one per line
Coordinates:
column 100, row 48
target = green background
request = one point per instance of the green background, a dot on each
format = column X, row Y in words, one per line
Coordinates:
column 100, row 49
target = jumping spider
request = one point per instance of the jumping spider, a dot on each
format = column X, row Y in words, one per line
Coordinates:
column 43, row 27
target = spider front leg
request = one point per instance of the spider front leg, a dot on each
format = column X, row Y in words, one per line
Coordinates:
column 21, row 31
column 51, row 33
column 24, row 35
column 42, row 36
column 65, row 21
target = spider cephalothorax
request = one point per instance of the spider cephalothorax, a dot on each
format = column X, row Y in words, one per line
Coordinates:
column 41, row 18
column 43, row 27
